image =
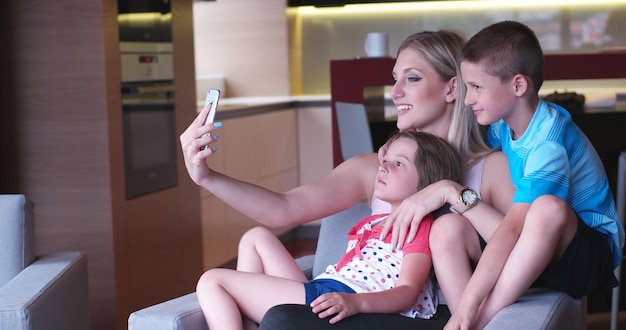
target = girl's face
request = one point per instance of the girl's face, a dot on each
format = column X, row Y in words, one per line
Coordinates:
column 397, row 176
column 422, row 100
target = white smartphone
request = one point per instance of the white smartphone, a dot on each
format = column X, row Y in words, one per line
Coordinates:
column 212, row 98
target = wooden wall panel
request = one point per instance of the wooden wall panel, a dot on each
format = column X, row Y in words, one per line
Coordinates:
column 61, row 145
column 158, row 241
column 57, row 78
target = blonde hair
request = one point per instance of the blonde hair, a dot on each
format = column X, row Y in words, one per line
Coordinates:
column 442, row 49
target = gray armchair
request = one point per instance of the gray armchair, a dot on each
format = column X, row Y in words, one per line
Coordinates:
column 537, row 309
column 37, row 292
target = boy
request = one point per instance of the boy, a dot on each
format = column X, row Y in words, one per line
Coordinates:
column 562, row 231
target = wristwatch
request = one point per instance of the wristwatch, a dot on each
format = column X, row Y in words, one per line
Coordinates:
column 468, row 198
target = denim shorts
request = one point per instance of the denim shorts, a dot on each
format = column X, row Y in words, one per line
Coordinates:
column 316, row 288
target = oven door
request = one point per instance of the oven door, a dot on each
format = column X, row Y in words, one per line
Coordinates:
column 149, row 147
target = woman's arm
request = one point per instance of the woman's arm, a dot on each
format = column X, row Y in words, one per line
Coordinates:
column 349, row 183
column 413, row 276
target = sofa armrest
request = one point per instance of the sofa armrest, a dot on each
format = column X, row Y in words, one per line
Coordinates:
column 51, row 293
column 182, row 313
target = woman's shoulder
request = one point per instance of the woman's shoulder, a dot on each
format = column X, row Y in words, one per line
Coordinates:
column 360, row 165
column 355, row 172
column 496, row 185
column 496, row 158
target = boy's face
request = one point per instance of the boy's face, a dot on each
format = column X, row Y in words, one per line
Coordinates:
column 489, row 98
column 397, row 176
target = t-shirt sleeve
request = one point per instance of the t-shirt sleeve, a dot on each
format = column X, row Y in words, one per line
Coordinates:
column 492, row 137
column 420, row 243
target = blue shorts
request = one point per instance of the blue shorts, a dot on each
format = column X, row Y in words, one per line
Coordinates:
column 316, row 288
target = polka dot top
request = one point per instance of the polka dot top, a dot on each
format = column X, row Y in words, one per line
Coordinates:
column 372, row 265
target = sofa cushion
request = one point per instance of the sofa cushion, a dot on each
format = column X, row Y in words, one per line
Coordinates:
column 16, row 235
column 541, row 309
column 333, row 236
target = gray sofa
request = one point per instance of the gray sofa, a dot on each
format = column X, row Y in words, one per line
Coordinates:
column 537, row 309
column 37, row 292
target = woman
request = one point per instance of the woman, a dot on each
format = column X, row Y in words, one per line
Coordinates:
column 425, row 93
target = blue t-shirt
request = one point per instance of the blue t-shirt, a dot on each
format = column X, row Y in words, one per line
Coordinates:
column 554, row 157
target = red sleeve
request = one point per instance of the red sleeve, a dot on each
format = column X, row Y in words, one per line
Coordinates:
column 420, row 242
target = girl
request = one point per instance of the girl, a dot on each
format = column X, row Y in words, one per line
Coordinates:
column 389, row 279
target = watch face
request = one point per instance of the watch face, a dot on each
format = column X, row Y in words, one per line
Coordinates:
column 469, row 197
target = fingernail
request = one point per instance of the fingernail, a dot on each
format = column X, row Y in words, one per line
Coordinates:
column 216, row 137
column 398, row 246
column 214, row 149
column 409, row 240
column 381, row 237
column 217, row 124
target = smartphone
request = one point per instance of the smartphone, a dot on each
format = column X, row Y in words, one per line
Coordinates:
column 212, row 98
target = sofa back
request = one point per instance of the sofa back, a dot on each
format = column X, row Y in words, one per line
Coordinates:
column 17, row 235
column 333, row 236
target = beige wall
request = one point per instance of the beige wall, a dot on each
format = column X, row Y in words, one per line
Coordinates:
column 246, row 41
column 323, row 34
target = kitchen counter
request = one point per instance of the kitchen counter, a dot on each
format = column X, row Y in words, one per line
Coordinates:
column 244, row 106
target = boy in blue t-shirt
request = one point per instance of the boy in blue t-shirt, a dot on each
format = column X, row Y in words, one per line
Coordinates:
column 562, row 230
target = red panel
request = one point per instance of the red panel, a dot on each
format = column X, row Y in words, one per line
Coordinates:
column 349, row 77
column 585, row 66
column 347, row 80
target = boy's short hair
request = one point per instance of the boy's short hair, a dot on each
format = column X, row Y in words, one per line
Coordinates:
column 505, row 49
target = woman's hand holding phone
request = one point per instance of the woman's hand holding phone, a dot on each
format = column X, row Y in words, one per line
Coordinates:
column 195, row 135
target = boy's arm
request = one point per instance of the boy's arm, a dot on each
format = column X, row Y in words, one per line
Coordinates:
column 489, row 267
column 413, row 276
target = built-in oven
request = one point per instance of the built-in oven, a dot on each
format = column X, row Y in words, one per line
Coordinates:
column 148, row 117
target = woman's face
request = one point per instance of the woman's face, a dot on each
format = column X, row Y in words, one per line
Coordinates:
column 422, row 100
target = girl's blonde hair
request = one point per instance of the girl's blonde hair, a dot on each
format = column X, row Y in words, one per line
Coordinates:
column 442, row 49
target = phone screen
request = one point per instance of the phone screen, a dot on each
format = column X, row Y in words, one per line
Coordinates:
column 212, row 98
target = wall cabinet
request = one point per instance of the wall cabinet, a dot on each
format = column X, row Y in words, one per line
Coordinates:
column 260, row 149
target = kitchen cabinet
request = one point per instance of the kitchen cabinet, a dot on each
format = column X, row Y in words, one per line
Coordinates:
column 260, row 149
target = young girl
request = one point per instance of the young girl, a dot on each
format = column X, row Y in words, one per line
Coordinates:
column 388, row 279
